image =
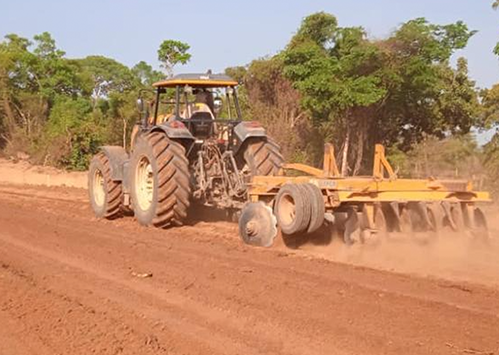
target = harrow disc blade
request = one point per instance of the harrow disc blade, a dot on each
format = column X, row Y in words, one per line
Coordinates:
column 481, row 225
column 352, row 232
column 257, row 225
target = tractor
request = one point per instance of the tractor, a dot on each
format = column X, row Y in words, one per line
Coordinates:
column 190, row 145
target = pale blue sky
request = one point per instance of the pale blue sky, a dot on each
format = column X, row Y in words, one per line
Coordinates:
column 226, row 33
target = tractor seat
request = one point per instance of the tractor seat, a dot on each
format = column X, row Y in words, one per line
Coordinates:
column 203, row 127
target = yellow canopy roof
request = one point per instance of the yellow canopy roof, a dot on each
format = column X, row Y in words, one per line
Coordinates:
column 199, row 80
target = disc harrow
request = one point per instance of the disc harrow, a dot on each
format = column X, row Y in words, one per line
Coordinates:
column 364, row 208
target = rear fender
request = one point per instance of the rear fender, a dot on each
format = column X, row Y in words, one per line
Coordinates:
column 117, row 157
column 247, row 130
column 175, row 130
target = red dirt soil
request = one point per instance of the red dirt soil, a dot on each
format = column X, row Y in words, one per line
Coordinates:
column 72, row 284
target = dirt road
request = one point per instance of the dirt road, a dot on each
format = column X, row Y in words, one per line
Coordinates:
column 71, row 284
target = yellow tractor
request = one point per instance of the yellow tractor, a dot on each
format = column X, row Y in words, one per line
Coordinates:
column 182, row 151
column 192, row 146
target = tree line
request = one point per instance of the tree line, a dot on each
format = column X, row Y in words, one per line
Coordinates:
column 335, row 84
column 329, row 84
column 58, row 111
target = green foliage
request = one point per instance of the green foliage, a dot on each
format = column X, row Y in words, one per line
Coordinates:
column 355, row 92
column 490, row 106
column 318, row 28
column 328, row 78
column 60, row 110
column 495, row 6
column 267, row 96
column 330, row 83
column 107, row 75
column 72, row 121
column 171, row 53
column 146, row 74
column 491, row 164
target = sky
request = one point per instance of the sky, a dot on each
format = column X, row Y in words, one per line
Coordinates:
column 225, row 33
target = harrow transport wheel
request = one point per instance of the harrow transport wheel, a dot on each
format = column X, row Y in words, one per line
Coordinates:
column 292, row 208
column 159, row 179
column 263, row 157
column 257, row 225
column 105, row 195
column 318, row 209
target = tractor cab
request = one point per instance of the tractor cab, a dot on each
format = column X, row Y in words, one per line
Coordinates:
column 204, row 103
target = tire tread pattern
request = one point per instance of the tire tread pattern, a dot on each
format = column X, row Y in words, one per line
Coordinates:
column 173, row 180
column 266, row 156
column 114, row 189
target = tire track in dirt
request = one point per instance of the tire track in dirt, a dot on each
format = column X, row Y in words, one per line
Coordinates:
column 211, row 295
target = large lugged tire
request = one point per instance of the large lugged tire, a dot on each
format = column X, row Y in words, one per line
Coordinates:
column 105, row 195
column 159, row 180
column 292, row 208
column 263, row 157
column 318, row 208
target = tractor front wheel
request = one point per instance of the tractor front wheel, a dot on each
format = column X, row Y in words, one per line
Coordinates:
column 106, row 195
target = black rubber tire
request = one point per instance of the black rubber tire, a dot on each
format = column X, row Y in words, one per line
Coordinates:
column 318, row 208
column 263, row 157
column 113, row 191
column 171, row 180
column 296, row 195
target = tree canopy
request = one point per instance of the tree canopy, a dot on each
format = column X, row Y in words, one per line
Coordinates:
column 330, row 83
column 59, row 110
column 171, row 53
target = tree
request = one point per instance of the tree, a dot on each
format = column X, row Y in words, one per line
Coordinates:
column 358, row 92
column 146, row 74
column 491, row 163
column 490, row 107
column 171, row 53
column 107, row 75
column 266, row 95
column 32, row 79
column 59, row 110
column 426, row 95
column 332, row 69
column 495, row 6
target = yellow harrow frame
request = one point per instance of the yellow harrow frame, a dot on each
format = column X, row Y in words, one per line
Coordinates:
column 452, row 202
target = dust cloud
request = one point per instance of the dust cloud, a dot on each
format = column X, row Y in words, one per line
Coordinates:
column 462, row 257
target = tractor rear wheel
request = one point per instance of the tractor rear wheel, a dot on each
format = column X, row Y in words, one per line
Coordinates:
column 160, row 181
column 263, row 157
column 106, row 195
